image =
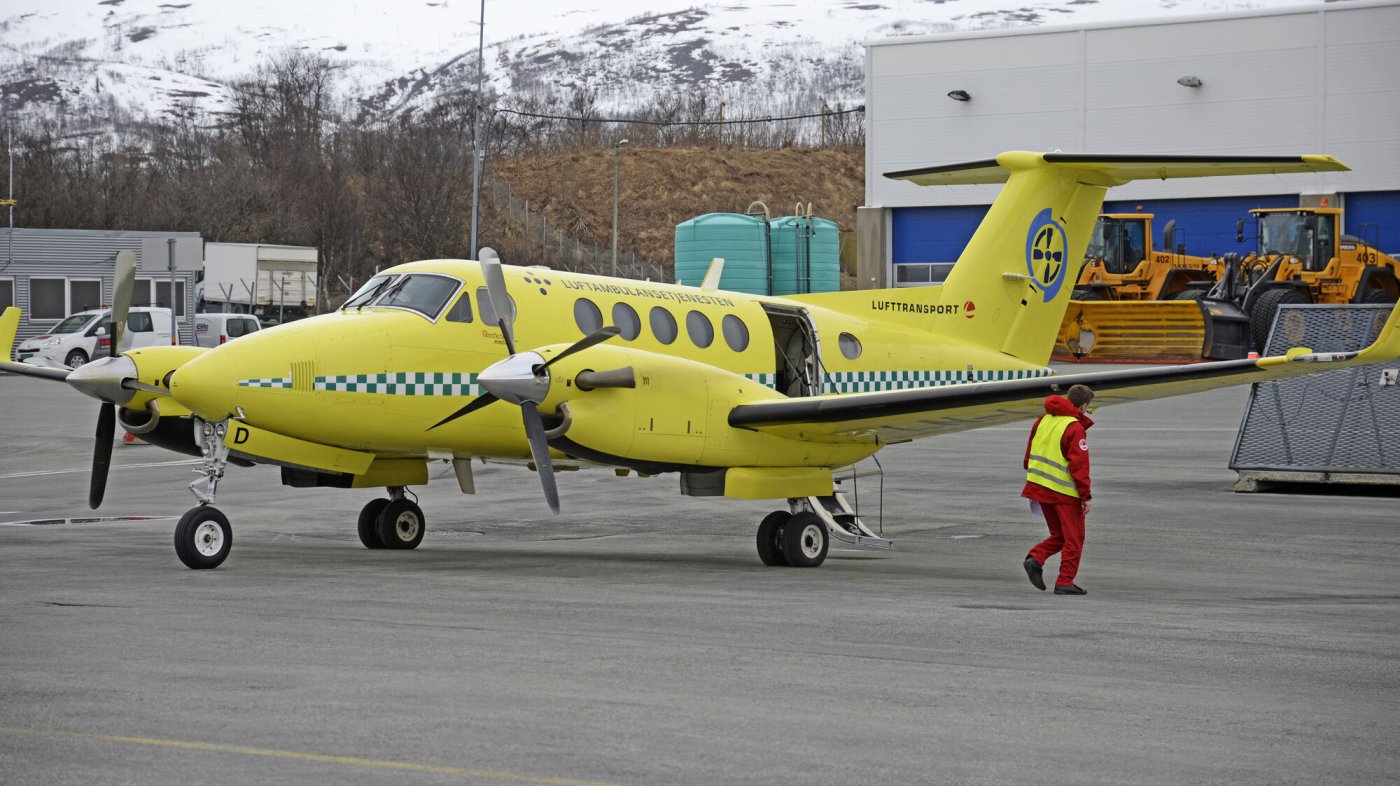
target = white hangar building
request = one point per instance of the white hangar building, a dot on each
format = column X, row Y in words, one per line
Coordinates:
column 1322, row 78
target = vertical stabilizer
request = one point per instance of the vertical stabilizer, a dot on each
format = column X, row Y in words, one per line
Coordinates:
column 1010, row 287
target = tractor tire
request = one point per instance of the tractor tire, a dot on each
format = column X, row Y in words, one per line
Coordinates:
column 1189, row 294
column 1087, row 295
column 1378, row 297
column 1261, row 317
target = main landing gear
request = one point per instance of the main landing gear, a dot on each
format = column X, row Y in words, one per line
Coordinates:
column 801, row 538
column 394, row 523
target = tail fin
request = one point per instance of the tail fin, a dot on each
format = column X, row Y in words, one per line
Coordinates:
column 1010, row 287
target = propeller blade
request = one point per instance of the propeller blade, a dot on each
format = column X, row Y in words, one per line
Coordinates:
column 102, row 453
column 500, row 298
column 539, row 449
column 123, row 284
column 596, row 337
column 472, row 406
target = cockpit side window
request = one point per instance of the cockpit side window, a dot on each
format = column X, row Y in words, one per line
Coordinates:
column 488, row 315
column 461, row 311
column 425, row 293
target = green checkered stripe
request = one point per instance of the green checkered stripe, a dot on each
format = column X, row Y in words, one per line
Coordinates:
column 873, row 381
column 404, row 383
column 284, row 382
column 764, row 379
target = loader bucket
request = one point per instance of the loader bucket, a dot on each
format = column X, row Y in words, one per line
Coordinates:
column 1129, row 331
column 1226, row 330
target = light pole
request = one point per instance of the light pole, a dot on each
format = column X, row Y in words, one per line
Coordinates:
column 617, row 170
column 477, row 152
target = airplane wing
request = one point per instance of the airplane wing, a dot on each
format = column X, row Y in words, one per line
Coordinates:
column 903, row 415
column 9, row 325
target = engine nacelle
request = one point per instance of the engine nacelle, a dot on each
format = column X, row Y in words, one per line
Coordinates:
column 675, row 417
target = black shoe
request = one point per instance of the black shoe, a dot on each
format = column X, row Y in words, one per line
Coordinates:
column 1033, row 572
column 1069, row 589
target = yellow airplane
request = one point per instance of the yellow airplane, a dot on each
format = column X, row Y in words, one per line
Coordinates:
column 743, row 396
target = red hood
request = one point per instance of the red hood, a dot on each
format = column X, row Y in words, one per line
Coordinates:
column 1059, row 405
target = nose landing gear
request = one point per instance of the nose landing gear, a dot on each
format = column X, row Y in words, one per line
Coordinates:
column 203, row 537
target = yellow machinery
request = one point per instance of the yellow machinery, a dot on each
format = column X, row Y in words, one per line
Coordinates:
column 1121, row 264
column 1302, row 257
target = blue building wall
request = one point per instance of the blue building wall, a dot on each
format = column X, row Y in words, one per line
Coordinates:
column 1375, row 216
column 1205, row 226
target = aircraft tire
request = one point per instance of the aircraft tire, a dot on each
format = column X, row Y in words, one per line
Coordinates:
column 400, row 524
column 203, row 538
column 805, row 540
column 770, row 538
column 369, row 523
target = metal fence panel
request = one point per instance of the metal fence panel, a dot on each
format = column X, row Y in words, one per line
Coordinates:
column 1345, row 421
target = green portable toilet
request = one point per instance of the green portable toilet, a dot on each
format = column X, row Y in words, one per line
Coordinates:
column 741, row 240
column 806, row 255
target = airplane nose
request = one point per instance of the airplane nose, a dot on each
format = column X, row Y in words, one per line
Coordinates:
column 102, row 379
column 208, row 385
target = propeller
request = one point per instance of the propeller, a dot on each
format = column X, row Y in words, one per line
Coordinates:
column 108, row 379
column 523, row 377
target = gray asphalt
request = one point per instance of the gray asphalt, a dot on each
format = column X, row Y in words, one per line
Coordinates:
column 636, row 638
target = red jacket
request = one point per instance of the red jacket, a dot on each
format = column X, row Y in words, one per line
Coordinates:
column 1076, row 449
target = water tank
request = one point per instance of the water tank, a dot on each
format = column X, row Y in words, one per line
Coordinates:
column 741, row 240
column 806, row 255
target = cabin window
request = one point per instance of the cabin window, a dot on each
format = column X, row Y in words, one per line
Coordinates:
column 587, row 315
column 736, row 333
column 663, row 325
column 626, row 319
column 488, row 314
column 426, row 294
column 702, row 332
column 850, row 345
column 461, row 310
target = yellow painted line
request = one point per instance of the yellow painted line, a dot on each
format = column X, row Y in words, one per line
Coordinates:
column 316, row 757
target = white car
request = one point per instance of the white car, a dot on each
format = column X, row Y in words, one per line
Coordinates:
column 211, row 330
column 88, row 334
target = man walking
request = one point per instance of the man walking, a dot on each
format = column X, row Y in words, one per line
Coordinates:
column 1057, row 482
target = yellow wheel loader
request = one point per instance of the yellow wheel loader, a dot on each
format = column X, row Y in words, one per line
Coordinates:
column 1302, row 257
column 1121, row 263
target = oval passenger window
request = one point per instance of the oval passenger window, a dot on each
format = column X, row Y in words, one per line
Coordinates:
column 850, row 345
column 587, row 315
column 626, row 320
column 663, row 325
column 736, row 333
column 701, row 330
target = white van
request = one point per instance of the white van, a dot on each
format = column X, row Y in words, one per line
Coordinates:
column 211, row 330
column 88, row 334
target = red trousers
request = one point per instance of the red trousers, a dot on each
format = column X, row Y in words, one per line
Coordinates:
column 1066, row 523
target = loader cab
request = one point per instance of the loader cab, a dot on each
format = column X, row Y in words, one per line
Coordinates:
column 1119, row 243
column 1309, row 235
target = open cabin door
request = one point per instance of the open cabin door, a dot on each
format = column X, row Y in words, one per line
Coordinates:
column 798, row 351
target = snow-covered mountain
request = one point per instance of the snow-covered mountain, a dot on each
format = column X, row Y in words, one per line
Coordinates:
column 98, row 62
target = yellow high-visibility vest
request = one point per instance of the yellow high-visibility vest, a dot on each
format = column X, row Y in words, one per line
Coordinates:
column 1047, row 465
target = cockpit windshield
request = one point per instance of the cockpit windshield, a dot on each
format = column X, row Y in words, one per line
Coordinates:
column 372, row 289
column 425, row 293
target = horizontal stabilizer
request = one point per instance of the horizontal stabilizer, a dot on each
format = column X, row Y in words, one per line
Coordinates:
column 1114, row 170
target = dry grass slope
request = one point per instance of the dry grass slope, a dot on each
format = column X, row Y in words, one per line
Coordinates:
column 661, row 187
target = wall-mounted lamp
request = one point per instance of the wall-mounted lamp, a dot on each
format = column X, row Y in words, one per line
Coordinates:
column 959, row 95
column 1189, row 81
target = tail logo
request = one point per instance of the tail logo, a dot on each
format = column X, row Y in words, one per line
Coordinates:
column 1045, row 254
